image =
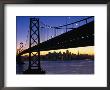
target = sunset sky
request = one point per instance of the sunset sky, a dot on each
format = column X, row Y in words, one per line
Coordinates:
column 22, row 29
column 81, row 50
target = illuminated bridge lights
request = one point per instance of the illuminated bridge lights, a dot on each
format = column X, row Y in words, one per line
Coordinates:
column 70, row 40
column 82, row 37
column 74, row 38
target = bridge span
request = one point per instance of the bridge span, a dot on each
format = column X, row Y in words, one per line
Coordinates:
column 78, row 37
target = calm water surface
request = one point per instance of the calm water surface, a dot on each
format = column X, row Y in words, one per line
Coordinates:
column 63, row 67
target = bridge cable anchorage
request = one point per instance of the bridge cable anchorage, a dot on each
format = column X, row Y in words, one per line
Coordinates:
column 34, row 39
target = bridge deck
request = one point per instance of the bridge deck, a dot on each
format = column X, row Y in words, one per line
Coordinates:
column 79, row 37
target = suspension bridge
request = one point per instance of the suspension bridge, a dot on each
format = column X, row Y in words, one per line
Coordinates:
column 71, row 35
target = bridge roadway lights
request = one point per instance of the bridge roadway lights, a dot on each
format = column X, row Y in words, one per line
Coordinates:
column 34, row 71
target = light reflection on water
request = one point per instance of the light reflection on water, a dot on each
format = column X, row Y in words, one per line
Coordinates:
column 63, row 67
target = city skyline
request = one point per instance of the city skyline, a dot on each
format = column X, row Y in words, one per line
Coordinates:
column 81, row 50
column 56, row 56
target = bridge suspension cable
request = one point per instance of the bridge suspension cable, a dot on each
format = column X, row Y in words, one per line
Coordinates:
column 49, row 32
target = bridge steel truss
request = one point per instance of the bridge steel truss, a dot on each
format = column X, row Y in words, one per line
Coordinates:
column 20, row 48
column 34, row 39
column 79, row 37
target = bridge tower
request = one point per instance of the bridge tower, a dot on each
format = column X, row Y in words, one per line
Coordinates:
column 34, row 39
column 18, row 58
column 21, row 47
